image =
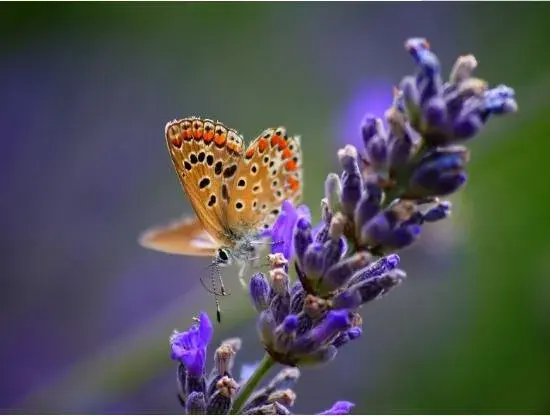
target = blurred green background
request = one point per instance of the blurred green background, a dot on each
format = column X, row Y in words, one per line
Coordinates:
column 86, row 89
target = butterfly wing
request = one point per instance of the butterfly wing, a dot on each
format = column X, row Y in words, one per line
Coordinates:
column 269, row 173
column 184, row 236
column 205, row 155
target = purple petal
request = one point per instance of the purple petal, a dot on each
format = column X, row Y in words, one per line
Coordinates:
column 205, row 331
column 339, row 408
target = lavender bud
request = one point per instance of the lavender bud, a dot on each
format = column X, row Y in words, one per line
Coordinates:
column 371, row 128
column 463, row 69
column 195, row 384
column 435, row 114
column 468, row 123
column 223, row 358
column 347, row 299
column 220, row 402
column 334, row 322
column 500, row 100
column 279, row 281
column 441, row 211
column 351, row 180
column 259, row 292
column 305, row 323
column 378, row 268
column 297, row 298
column 280, row 307
column 268, row 409
column 314, row 259
column 366, row 209
column 377, row 153
column 285, row 378
column 284, row 397
column 402, row 237
column 377, row 230
column 333, row 192
column 337, row 275
column 181, row 377
column 302, row 238
column 438, row 176
column 266, row 327
column 345, row 337
column 285, row 333
column 411, row 100
column 378, row 286
column 195, row 404
column 321, row 356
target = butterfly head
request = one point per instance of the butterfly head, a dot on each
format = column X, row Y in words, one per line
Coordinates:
column 223, row 257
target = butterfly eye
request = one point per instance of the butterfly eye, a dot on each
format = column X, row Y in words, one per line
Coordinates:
column 223, row 255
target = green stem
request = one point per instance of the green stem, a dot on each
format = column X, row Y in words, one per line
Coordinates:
column 245, row 392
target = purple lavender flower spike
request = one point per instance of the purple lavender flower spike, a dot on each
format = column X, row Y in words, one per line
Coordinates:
column 365, row 211
column 195, row 404
column 189, row 347
column 339, row 408
column 259, row 291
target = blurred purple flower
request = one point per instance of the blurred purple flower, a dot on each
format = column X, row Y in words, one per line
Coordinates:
column 339, row 408
column 373, row 96
column 189, row 347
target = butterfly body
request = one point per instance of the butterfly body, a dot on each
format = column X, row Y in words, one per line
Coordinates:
column 236, row 192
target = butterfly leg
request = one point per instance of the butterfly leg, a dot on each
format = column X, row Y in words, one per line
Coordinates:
column 242, row 271
column 213, row 282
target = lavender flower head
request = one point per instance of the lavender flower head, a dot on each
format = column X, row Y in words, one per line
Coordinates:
column 321, row 276
column 215, row 394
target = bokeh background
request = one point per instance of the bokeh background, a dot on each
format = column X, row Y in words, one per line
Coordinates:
column 85, row 91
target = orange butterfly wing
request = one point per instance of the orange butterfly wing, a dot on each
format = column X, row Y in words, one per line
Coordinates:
column 269, row 173
column 184, row 236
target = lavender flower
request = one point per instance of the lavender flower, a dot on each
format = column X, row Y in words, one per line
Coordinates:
column 378, row 205
column 215, row 394
column 282, row 230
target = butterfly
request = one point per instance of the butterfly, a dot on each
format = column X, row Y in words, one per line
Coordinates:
column 236, row 193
